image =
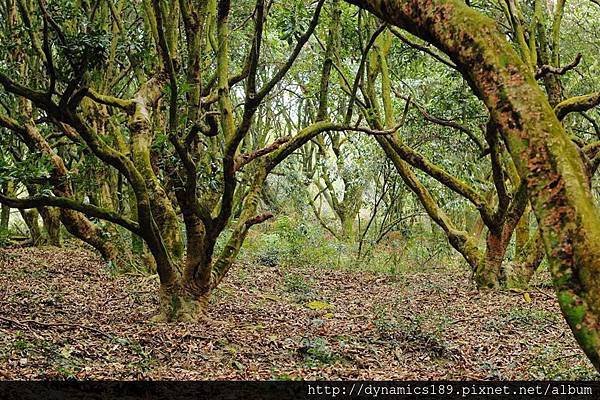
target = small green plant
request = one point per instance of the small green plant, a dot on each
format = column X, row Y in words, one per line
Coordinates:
column 298, row 287
column 529, row 316
column 317, row 351
column 272, row 250
column 22, row 344
column 295, row 283
column 549, row 364
column 67, row 364
column 145, row 361
column 283, row 377
column 4, row 237
column 413, row 333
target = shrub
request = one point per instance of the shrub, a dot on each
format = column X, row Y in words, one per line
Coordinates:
column 287, row 241
column 4, row 237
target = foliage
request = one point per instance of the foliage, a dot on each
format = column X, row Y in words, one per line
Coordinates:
column 290, row 242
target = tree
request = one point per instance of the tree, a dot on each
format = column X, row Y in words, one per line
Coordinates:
column 184, row 140
column 208, row 109
column 546, row 160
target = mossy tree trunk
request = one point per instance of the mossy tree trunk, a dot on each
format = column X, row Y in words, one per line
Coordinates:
column 51, row 218
column 528, row 259
column 31, row 218
column 4, row 218
column 7, row 190
column 487, row 274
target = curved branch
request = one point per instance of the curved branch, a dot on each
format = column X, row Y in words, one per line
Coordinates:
column 264, row 91
column 422, row 48
column 577, row 104
column 462, row 188
column 126, row 105
column 67, row 203
column 545, row 70
column 444, row 122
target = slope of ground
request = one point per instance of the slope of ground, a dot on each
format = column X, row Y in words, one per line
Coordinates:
column 63, row 314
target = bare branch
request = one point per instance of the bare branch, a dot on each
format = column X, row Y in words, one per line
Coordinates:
column 425, row 49
column 259, row 219
column 545, row 70
column 246, row 158
column 65, row 202
column 442, row 121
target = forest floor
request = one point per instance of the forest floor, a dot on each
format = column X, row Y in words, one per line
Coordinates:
column 63, row 314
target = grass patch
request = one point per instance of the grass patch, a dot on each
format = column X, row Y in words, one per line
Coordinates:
column 423, row 332
column 548, row 365
column 529, row 316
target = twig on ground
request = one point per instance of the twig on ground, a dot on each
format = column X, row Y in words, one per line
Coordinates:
column 26, row 324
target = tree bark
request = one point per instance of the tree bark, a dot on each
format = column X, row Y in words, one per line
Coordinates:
column 31, row 218
column 7, row 190
column 82, row 228
column 522, row 233
column 528, row 259
column 51, row 218
column 489, row 269
column 179, row 303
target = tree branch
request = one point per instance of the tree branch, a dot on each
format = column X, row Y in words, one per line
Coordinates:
column 126, row 105
column 246, row 158
column 65, row 202
column 577, row 104
column 419, row 47
column 545, row 70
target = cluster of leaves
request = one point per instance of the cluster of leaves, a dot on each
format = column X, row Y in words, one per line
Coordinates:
column 82, row 45
column 293, row 21
column 34, row 168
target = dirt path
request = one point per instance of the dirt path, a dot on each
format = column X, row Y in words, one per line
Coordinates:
column 63, row 314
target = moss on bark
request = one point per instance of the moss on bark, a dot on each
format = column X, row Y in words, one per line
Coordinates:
column 181, row 304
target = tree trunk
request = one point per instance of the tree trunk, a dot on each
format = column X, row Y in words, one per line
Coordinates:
column 31, row 218
column 489, row 269
column 181, row 304
column 4, row 218
column 51, row 218
column 162, row 209
column 186, row 297
column 7, row 190
column 522, row 233
column 347, row 223
column 519, row 273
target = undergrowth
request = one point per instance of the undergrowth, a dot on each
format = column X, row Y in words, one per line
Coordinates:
column 290, row 242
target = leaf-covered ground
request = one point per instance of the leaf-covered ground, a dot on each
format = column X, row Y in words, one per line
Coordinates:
column 63, row 314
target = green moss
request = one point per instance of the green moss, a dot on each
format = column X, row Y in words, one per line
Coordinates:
column 575, row 312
